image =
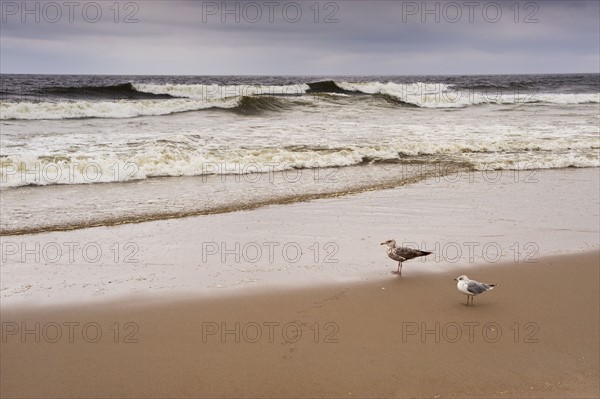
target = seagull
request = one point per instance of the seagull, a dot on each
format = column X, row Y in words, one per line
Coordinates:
column 471, row 287
column 402, row 254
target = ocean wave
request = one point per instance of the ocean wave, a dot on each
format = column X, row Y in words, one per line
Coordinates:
column 125, row 91
column 184, row 157
column 152, row 99
column 440, row 95
column 104, row 109
column 418, row 94
column 245, row 105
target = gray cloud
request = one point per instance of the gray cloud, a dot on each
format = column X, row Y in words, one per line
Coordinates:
column 369, row 37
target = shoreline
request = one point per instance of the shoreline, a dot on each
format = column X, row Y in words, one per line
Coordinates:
column 318, row 242
column 240, row 196
column 410, row 337
column 180, row 186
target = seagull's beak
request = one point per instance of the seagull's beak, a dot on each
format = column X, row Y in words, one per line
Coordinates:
column 383, row 243
column 455, row 279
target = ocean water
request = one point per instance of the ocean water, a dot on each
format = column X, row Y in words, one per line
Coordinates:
column 79, row 151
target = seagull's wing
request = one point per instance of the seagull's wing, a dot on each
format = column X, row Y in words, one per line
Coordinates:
column 408, row 253
column 475, row 287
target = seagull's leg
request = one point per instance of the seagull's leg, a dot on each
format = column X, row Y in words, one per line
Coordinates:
column 400, row 265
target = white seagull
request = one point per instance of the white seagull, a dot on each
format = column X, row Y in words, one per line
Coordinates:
column 471, row 287
column 402, row 254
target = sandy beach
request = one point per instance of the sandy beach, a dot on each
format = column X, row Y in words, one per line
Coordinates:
column 179, row 323
column 535, row 335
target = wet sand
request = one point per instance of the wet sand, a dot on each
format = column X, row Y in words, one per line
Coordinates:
column 465, row 220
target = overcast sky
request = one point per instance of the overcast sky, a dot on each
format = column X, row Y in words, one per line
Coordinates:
column 300, row 38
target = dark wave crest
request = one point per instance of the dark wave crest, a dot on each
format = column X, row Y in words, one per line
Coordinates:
column 124, row 91
column 327, row 86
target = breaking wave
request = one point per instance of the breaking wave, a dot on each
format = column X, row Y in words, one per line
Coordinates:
column 183, row 156
column 135, row 99
column 244, row 105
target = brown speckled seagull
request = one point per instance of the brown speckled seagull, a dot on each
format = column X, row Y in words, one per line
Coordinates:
column 402, row 254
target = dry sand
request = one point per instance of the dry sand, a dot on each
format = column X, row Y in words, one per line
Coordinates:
column 535, row 335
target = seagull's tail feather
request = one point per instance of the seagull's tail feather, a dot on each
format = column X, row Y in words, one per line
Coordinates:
column 425, row 253
column 491, row 286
